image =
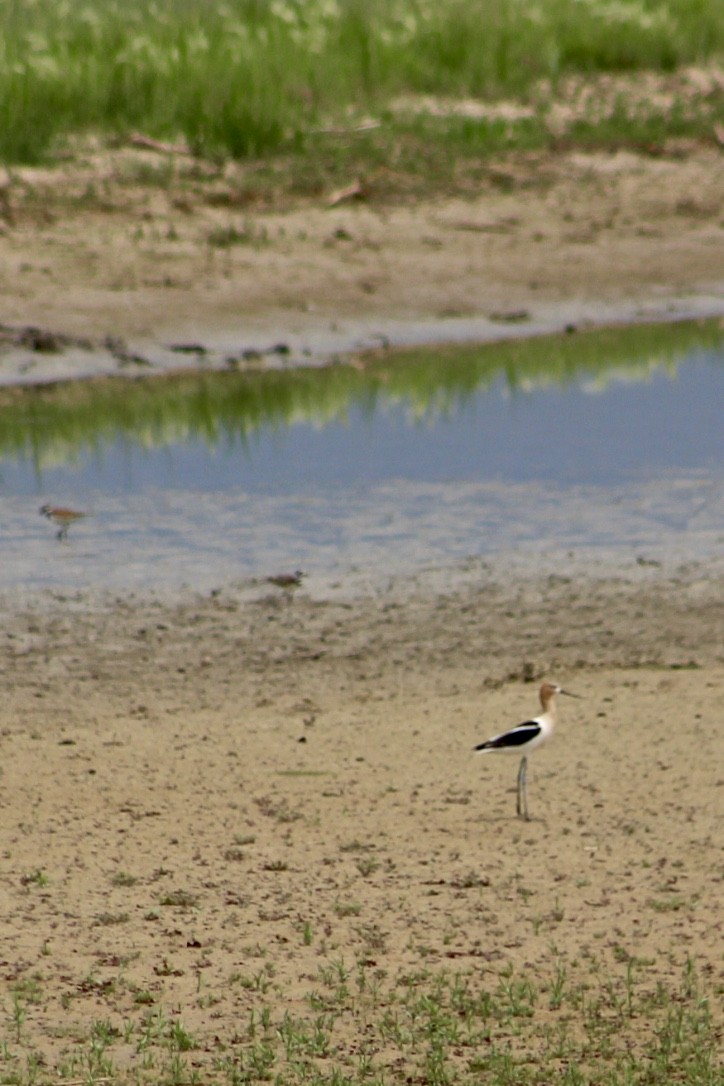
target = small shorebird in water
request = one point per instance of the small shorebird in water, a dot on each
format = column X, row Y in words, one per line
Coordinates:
column 288, row 582
column 61, row 516
column 526, row 737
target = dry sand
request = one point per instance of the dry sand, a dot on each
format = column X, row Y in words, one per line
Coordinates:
column 292, row 784
column 223, row 787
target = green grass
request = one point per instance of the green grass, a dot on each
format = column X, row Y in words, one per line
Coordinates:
column 249, row 78
column 357, row 1024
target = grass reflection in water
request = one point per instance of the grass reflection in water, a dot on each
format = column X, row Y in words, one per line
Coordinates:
column 54, row 425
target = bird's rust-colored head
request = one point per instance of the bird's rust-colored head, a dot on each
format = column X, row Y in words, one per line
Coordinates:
column 549, row 690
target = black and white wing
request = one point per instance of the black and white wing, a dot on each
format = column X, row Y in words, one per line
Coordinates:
column 517, row 737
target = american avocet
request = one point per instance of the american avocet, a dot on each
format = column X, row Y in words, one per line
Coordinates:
column 526, row 737
column 61, row 516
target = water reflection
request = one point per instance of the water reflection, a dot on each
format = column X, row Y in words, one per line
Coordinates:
column 483, row 393
column 595, row 440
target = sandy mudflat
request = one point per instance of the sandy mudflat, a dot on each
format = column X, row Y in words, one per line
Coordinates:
column 546, row 241
column 206, row 799
column 231, row 787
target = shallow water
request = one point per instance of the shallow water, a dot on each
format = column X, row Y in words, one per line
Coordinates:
column 357, row 481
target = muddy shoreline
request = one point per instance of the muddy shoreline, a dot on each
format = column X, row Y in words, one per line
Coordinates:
column 576, row 239
column 31, row 355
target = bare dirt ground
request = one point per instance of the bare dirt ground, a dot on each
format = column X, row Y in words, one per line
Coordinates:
column 207, row 805
column 543, row 241
column 204, row 803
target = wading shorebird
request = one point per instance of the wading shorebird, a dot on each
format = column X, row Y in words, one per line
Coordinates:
column 61, row 516
column 288, row 582
column 526, row 737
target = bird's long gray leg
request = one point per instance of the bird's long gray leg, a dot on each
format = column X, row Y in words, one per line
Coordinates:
column 522, row 797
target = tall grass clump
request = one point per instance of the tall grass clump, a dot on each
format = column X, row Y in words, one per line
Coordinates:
column 248, row 77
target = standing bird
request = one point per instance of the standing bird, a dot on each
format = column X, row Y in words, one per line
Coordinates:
column 526, row 737
column 288, row 582
column 61, row 516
